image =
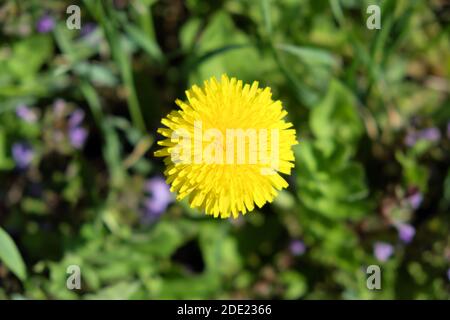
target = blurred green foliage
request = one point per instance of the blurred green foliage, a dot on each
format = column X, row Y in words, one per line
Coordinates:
column 354, row 95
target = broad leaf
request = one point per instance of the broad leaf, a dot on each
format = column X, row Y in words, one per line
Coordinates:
column 336, row 117
column 10, row 255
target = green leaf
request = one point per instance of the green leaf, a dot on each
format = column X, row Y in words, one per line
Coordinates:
column 295, row 283
column 329, row 183
column 162, row 242
column 336, row 117
column 189, row 287
column 96, row 74
column 337, row 11
column 265, row 8
column 23, row 64
column 212, row 53
column 121, row 57
column 309, row 55
column 224, row 48
column 219, row 250
column 118, row 291
column 10, row 255
column 5, row 162
column 414, row 174
column 146, row 43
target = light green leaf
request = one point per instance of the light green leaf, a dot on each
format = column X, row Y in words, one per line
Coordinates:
column 265, row 7
column 309, row 55
column 414, row 174
column 224, row 48
column 118, row 291
column 146, row 43
column 330, row 183
column 23, row 64
column 10, row 255
column 295, row 283
column 96, row 73
column 336, row 117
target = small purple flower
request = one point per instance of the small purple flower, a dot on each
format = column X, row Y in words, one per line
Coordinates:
column 383, row 251
column 448, row 274
column 406, row 232
column 415, row 199
column 45, row 24
column 158, row 199
column 77, row 134
column 430, row 134
column 22, row 154
column 77, row 137
column 76, row 118
column 26, row 114
column 297, row 247
column 87, row 29
column 411, row 139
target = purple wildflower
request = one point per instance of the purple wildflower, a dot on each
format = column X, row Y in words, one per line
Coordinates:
column 448, row 274
column 297, row 247
column 76, row 118
column 430, row 134
column 77, row 137
column 158, row 198
column 411, row 139
column 415, row 199
column 22, row 154
column 77, row 134
column 383, row 251
column 87, row 29
column 406, row 232
column 26, row 114
column 45, row 24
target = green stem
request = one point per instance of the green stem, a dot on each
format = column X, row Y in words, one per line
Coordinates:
column 122, row 59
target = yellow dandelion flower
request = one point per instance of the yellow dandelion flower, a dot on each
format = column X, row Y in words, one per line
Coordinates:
column 226, row 147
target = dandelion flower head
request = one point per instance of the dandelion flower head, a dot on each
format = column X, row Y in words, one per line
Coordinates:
column 226, row 146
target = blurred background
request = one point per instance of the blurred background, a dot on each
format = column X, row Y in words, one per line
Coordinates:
column 79, row 184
